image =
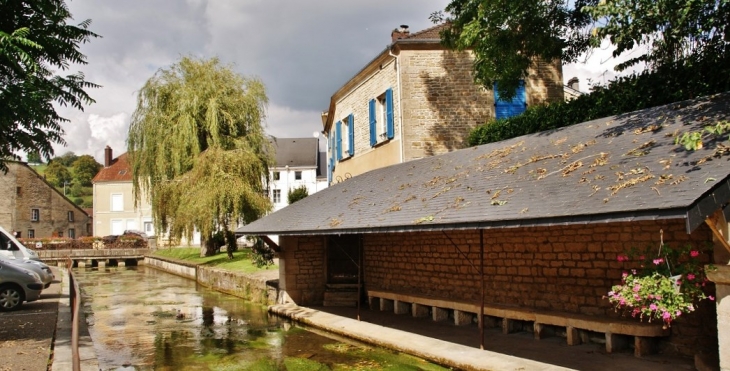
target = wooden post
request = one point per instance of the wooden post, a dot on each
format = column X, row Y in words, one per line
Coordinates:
column 481, row 275
column 359, row 274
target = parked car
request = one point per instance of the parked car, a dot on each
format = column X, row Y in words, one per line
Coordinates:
column 43, row 270
column 17, row 285
column 12, row 248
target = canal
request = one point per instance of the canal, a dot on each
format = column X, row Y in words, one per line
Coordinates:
column 140, row 318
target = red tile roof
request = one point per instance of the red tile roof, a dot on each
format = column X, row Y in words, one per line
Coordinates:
column 118, row 171
column 428, row 34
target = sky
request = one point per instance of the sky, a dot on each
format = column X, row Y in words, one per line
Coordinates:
column 303, row 51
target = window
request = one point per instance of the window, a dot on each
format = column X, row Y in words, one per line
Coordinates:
column 277, row 175
column 72, row 233
column 117, row 227
column 518, row 104
column 117, row 202
column 70, row 216
column 35, row 215
column 149, row 228
column 276, row 196
column 297, row 175
column 31, row 233
column 18, row 191
column 381, row 118
column 60, row 234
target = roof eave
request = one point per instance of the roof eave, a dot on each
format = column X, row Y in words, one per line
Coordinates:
column 630, row 216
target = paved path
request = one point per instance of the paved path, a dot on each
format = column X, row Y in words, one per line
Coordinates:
column 458, row 346
column 27, row 335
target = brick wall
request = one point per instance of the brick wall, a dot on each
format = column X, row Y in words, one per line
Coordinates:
column 22, row 189
column 302, row 269
column 560, row 268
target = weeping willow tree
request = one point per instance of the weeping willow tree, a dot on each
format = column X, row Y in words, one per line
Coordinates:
column 198, row 150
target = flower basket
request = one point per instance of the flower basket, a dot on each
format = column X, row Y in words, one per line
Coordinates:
column 662, row 288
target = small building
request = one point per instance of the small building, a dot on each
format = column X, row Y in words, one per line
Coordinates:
column 298, row 164
column 537, row 222
column 417, row 99
column 114, row 206
column 35, row 209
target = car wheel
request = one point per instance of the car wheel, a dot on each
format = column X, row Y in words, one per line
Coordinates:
column 11, row 297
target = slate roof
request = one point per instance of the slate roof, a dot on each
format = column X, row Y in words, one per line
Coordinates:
column 296, row 152
column 118, row 171
column 619, row 168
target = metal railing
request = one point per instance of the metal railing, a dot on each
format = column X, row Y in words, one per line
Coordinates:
column 74, row 296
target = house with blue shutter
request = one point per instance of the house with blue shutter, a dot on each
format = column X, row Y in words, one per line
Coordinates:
column 417, row 99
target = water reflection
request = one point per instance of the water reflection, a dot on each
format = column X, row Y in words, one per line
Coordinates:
column 144, row 319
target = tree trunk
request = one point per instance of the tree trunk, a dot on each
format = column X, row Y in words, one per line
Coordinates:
column 207, row 247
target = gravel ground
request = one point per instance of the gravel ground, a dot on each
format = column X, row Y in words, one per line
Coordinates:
column 26, row 335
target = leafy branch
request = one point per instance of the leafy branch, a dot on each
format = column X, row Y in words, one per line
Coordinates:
column 694, row 140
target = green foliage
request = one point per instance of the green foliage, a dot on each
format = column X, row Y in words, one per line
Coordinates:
column 261, row 254
column 694, row 140
column 67, row 159
column 197, row 147
column 671, row 30
column 297, row 194
column 34, row 157
column 79, row 201
column 510, row 36
column 76, row 190
column 240, row 263
column 36, row 46
column 84, row 169
column 690, row 78
column 57, row 174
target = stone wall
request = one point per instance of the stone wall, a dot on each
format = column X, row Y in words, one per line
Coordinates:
column 21, row 190
column 238, row 284
column 442, row 104
column 558, row 268
column 302, row 275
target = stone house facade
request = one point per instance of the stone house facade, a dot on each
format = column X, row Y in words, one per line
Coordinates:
column 418, row 99
column 35, row 208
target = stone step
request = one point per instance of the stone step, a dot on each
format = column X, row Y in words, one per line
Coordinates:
column 340, row 295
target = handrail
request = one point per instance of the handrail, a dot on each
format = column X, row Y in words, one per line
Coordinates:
column 75, row 307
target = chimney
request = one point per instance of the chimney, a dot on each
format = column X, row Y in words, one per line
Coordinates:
column 107, row 156
column 573, row 83
column 400, row 33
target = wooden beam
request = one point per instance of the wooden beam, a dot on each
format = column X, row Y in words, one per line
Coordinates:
column 711, row 222
column 271, row 243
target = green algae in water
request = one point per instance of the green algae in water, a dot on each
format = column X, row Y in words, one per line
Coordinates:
column 303, row 364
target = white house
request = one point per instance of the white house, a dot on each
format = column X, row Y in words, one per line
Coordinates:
column 298, row 163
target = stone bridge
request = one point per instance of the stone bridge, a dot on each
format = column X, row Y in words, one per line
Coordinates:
column 93, row 257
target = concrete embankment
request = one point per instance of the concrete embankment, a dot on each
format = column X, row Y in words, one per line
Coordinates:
column 260, row 287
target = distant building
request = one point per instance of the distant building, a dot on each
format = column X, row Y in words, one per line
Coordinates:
column 114, row 210
column 298, row 163
column 418, row 99
column 571, row 90
column 35, row 209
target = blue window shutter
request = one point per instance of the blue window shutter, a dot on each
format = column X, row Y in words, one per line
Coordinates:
column 373, row 123
column 390, row 129
column 351, row 134
column 338, row 139
column 505, row 109
column 332, row 151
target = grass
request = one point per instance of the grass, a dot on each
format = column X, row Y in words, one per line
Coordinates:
column 241, row 261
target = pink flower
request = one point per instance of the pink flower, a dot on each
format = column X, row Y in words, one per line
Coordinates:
column 652, row 306
column 624, row 274
column 666, row 316
column 622, row 258
column 712, row 298
column 679, row 313
column 694, row 253
column 633, row 271
column 658, row 261
column 690, row 276
column 622, row 302
column 637, row 288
